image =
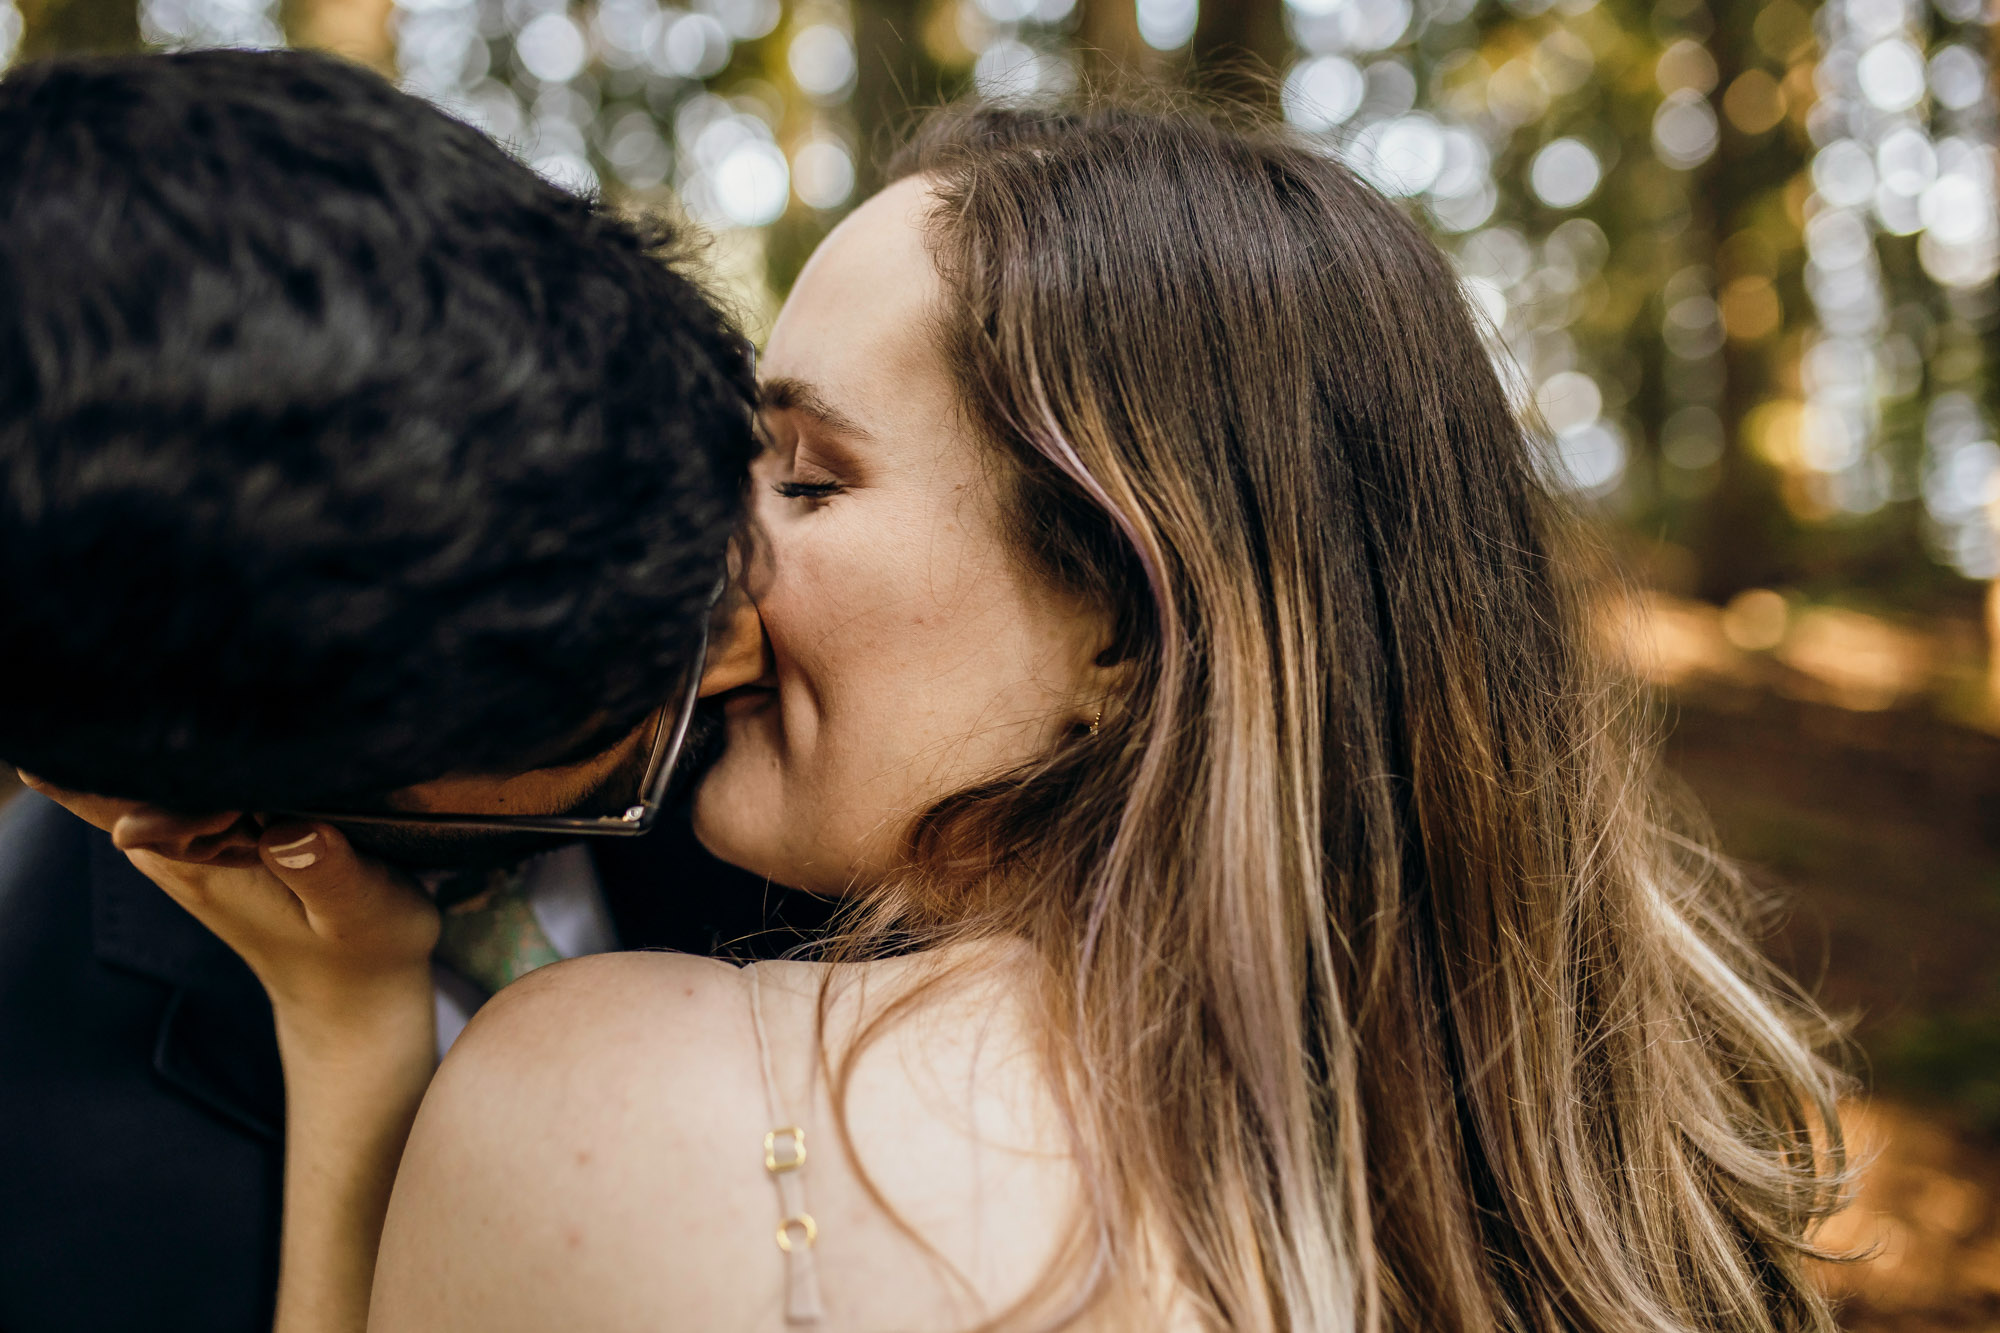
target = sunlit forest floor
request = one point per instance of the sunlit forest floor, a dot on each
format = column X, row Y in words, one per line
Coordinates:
column 1880, row 832
column 1926, row 1215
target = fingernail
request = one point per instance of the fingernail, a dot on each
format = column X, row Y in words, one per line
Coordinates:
column 298, row 860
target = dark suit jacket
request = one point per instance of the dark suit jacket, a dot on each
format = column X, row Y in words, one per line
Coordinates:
column 141, row 1100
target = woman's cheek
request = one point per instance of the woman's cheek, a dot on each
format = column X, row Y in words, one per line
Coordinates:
column 844, row 597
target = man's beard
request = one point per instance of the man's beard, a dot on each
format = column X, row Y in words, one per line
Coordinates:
column 441, row 847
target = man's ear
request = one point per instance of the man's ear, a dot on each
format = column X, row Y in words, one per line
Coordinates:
column 225, row 838
column 737, row 653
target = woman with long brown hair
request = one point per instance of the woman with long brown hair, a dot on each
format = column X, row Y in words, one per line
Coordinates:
column 1262, row 915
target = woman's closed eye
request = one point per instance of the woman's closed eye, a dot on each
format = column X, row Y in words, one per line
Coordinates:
column 815, row 491
column 809, row 440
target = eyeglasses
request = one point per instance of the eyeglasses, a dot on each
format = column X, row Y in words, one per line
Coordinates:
column 669, row 737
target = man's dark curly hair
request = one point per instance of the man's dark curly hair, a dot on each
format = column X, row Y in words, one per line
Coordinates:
column 338, row 450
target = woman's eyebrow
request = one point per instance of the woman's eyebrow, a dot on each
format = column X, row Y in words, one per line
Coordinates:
column 795, row 395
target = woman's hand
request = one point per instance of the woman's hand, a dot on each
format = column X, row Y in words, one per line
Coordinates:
column 336, row 941
column 342, row 946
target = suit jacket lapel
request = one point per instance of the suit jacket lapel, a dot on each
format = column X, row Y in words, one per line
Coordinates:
column 215, row 1043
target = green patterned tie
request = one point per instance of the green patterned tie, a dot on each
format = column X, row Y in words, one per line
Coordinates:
column 492, row 938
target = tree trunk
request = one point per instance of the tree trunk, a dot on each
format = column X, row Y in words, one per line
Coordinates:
column 895, row 73
column 356, row 29
column 1735, row 545
column 1109, row 47
column 52, row 27
column 1240, row 51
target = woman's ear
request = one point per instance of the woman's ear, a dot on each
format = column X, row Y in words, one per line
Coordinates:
column 1107, row 678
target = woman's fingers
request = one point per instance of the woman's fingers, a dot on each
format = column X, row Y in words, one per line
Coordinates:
column 347, row 899
column 318, row 865
column 237, row 904
column 103, row 811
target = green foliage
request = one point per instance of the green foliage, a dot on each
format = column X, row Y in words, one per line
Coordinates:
column 1952, row 1060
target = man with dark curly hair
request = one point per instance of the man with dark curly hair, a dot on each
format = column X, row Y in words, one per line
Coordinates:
column 346, row 467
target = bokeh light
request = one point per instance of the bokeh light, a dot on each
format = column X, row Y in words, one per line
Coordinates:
column 1167, row 25
column 1685, row 133
column 1323, row 92
column 1883, row 171
column 179, row 25
column 10, row 30
column 821, row 58
column 1564, row 173
column 1890, row 75
column 551, row 48
column 823, row 173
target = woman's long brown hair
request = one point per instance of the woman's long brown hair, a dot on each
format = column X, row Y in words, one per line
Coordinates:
column 1380, row 989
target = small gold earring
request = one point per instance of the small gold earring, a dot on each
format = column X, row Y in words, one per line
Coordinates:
column 1096, row 719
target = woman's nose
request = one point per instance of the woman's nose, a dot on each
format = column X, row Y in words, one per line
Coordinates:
column 737, row 654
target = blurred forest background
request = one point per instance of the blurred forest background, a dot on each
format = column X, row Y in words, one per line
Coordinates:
column 1739, row 256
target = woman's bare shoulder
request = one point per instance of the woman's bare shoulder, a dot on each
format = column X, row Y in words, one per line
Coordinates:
column 563, row 1171
column 605, row 1006
column 591, row 1153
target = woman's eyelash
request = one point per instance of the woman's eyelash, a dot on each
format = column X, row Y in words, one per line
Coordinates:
column 807, row 490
